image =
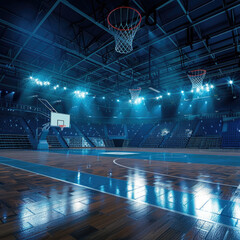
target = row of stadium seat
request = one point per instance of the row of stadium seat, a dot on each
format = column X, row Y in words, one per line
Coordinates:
column 197, row 133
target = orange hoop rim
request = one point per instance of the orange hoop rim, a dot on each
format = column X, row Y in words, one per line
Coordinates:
column 129, row 29
column 135, row 89
column 190, row 73
column 62, row 126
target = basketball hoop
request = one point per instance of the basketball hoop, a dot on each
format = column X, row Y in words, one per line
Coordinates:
column 62, row 127
column 196, row 77
column 134, row 94
column 124, row 22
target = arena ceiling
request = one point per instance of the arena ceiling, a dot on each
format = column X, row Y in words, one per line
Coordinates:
column 69, row 42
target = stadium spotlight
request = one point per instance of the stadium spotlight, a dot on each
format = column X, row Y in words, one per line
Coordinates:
column 182, row 92
column 198, row 89
column 160, row 96
column 192, row 91
column 138, row 101
column 55, row 87
column 143, row 98
column 230, row 82
column 46, row 83
column 168, row 93
column 205, row 102
column 118, row 100
column 103, row 97
column 190, row 105
column 64, row 88
column 130, row 101
column 82, row 95
column 31, row 77
column 211, row 86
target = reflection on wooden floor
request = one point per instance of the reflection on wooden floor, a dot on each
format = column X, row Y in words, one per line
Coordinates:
column 37, row 207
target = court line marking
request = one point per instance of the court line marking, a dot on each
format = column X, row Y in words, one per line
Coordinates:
column 134, row 200
column 173, row 176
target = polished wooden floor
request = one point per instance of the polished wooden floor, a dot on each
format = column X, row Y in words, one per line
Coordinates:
column 38, row 207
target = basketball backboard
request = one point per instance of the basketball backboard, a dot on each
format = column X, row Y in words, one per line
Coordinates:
column 60, row 119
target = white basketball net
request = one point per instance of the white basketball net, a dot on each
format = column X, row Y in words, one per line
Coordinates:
column 196, row 77
column 134, row 94
column 124, row 22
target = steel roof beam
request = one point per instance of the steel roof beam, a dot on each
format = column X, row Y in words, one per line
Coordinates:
column 176, row 51
column 198, row 33
column 35, row 30
column 74, row 52
column 210, row 16
column 99, row 25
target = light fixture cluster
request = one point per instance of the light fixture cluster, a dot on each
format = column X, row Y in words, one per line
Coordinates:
column 40, row 83
column 205, row 88
column 137, row 101
column 80, row 94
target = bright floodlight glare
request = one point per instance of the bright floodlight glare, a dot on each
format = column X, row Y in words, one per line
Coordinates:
column 138, row 101
column 54, row 87
column 211, row 86
column 192, row 91
column 205, row 102
column 118, row 100
column 230, row 82
column 168, row 93
column 182, row 92
column 31, row 78
column 64, row 88
column 103, row 97
column 160, row 96
column 82, row 95
column 197, row 90
column 157, row 98
column 130, row 100
column 143, row 98
column 190, row 105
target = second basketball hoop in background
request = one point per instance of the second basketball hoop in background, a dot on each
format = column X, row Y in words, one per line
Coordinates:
column 134, row 94
column 196, row 77
column 124, row 22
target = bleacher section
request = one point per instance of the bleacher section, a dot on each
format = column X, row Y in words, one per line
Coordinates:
column 181, row 134
column 209, row 127
column 140, row 135
column 15, row 132
column 157, row 135
column 208, row 134
column 205, row 142
column 11, row 125
column 53, row 141
column 115, row 130
column 231, row 134
column 14, row 141
column 92, row 130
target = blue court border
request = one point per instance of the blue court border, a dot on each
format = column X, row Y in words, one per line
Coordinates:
column 224, row 212
column 159, row 156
